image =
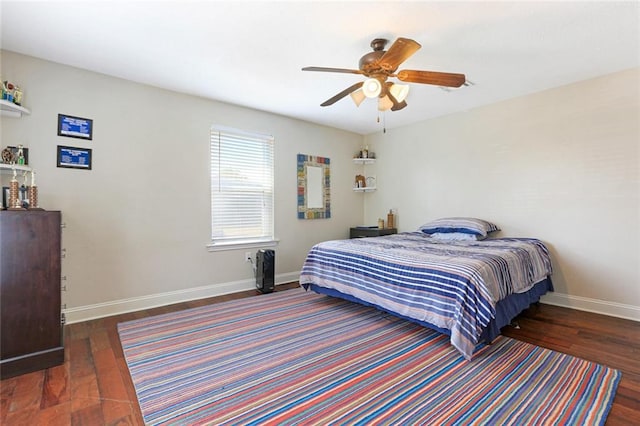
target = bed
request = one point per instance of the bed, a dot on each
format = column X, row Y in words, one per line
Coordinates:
column 467, row 288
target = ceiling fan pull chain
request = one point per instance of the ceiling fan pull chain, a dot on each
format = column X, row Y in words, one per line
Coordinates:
column 384, row 121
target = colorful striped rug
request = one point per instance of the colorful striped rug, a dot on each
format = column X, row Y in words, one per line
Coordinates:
column 294, row 357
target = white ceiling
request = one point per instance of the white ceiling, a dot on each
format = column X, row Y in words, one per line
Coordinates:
column 251, row 53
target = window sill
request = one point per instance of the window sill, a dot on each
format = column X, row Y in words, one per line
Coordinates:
column 242, row 245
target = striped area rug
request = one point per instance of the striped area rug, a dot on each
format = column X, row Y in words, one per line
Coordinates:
column 294, row 357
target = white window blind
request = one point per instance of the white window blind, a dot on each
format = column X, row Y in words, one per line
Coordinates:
column 241, row 186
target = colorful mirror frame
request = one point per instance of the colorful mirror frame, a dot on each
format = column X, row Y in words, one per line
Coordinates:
column 322, row 189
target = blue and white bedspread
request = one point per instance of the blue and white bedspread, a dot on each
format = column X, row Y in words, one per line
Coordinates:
column 452, row 285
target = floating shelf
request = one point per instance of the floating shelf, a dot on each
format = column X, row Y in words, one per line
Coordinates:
column 9, row 167
column 371, row 187
column 9, row 109
column 365, row 189
column 364, row 160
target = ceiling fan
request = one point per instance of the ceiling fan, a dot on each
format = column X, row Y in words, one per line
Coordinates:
column 380, row 65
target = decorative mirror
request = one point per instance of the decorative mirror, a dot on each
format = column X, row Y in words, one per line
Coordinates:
column 314, row 188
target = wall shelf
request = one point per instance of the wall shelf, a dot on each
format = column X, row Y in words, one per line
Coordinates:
column 365, row 189
column 365, row 162
column 8, row 168
column 9, row 109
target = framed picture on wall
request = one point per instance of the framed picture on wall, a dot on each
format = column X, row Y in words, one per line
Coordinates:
column 75, row 127
column 74, row 158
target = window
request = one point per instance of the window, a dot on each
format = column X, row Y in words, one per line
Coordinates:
column 241, row 187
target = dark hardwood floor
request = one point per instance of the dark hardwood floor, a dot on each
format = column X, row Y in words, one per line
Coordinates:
column 93, row 386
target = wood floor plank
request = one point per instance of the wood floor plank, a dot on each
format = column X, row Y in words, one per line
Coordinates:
column 25, row 416
column 94, row 386
column 80, row 358
column 7, row 388
column 120, row 413
column 55, row 415
column 88, row 414
column 110, row 383
column 56, row 387
column 27, row 392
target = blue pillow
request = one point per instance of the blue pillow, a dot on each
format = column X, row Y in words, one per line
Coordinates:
column 465, row 225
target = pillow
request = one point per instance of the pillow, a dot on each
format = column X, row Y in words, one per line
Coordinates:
column 455, row 236
column 465, row 225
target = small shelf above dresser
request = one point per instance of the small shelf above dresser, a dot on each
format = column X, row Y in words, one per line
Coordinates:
column 9, row 109
column 364, row 160
column 370, row 181
column 8, row 168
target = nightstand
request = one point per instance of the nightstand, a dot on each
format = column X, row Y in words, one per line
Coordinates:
column 371, row 232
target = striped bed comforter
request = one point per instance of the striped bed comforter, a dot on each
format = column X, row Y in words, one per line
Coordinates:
column 451, row 285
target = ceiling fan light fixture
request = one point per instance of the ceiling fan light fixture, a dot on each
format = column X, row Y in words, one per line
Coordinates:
column 358, row 96
column 384, row 103
column 371, row 88
column 399, row 91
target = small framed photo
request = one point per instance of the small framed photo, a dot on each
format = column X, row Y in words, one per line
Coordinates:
column 75, row 127
column 22, row 195
column 74, row 158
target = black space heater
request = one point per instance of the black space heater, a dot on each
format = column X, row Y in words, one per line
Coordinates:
column 265, row 272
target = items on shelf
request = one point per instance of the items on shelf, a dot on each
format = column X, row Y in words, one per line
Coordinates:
column 14, row 193
column 21, row 160
column 12, row 93
column 7, row 156
column 15, row 155
column 391, row 219
column 33, row 193
column 360, row 181
column 365, row 153
column 21, row 196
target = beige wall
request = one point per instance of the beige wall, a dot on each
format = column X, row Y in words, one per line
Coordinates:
column 561, row 165
column 138, row 223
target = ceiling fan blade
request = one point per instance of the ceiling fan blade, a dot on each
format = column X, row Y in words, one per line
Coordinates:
column 342, row 94
column 323, row 69
column 432, row 77
column 400, row 51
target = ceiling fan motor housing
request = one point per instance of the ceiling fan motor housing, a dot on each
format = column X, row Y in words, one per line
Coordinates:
column 368, row 61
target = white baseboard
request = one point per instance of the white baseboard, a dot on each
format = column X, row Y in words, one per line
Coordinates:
column 122, row 306
column 592, row 305
column 116, row 307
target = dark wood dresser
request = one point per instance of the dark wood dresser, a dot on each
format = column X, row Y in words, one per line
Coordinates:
column 31, row 328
